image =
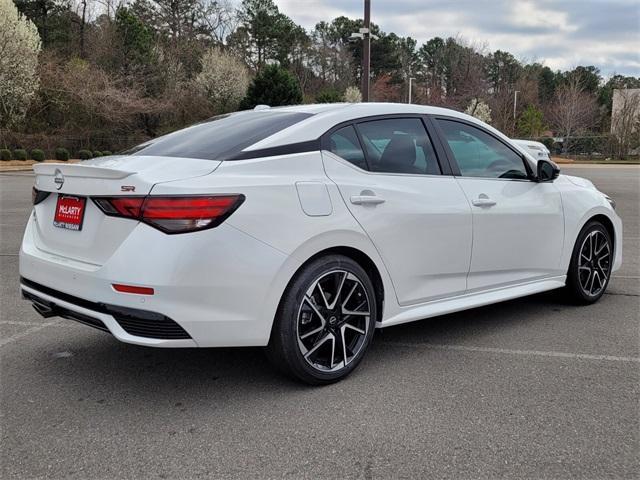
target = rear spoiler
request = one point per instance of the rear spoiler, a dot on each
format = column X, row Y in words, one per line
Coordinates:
column 83, row 171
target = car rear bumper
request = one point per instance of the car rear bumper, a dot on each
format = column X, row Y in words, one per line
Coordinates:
column 221, row 287
column 126, row 324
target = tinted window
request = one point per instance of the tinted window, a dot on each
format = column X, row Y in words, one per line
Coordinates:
column 479, row 154
column 399, row 145
column 220, row 138
column 345, row 144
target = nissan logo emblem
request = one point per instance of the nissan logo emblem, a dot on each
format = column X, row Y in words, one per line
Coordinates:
column 58, row 179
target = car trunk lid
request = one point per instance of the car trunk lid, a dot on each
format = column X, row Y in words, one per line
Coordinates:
column 98, row 235
column 108, row 176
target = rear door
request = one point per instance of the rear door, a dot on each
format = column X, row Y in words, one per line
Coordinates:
column 518, row 224
column 418, row 218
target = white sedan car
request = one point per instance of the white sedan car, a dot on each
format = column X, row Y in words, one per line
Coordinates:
column 305, row 228
column 537, row 150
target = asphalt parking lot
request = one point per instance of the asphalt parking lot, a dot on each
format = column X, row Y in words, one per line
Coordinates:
column 532, row 388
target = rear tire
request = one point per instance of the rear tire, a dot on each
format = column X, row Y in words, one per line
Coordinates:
column 325, row 321
column 590, row 267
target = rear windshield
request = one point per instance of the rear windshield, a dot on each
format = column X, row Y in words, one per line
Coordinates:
column 219, row 138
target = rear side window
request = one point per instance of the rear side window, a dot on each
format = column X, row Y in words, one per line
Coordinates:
column 399, row 145
column 345, row 144
column 220, row 138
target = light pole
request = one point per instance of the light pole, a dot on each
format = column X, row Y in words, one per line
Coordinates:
column 366, row 54
column 411, row 79
column 515, row 102
column 366, row 36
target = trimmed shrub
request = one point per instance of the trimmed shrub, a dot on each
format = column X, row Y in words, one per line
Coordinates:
column 62, row 154
column 97, row 153
column 19, row 154
column 329, row 95
column 589, row 145
column 5, row 154
column 106, row 153
column 37, row 155
column 84, row 154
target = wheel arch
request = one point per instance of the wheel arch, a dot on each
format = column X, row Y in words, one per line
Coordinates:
column 355, row 254
column 606, row 222
column 365, row 262
column 597, row 216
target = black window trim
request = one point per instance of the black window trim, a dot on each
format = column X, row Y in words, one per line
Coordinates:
column 432, row 134
column 453, row 162
column 287, row 149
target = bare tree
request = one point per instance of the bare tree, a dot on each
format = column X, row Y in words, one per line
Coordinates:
column 572, row 110
column 110, row 6
column 625, row 120
column 218, row 18
column 501, row 104
column 81, row 9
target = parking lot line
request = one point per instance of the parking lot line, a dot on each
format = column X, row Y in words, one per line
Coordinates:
column 506, row 351
column 28, row 331
column 13, row 322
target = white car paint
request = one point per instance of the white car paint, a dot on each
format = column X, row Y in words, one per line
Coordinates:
column 526, row 215
column 431, row 222
column 435, row 251
column 537, row 150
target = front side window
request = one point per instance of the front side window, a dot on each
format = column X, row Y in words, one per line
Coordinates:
column 345, row 144
column 479, row 154
column 399, row 145
column 220, row 138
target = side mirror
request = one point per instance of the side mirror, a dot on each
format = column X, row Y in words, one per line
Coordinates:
column 548, row 171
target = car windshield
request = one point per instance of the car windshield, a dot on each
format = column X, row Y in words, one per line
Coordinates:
column 219, row 138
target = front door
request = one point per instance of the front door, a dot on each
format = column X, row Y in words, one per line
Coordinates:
column 518, row 224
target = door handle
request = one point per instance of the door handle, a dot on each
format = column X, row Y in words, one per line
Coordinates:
column 366, row 200
column 483, row 201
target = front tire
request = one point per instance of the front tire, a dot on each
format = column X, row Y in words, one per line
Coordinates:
column 325, row 321
column 591, row 262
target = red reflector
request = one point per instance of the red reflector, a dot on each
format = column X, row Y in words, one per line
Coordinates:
column 132, row 289
column 187, row 208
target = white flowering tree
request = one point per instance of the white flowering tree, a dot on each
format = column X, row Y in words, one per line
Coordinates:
column 352, row 95
column 223, row 80
column 19, row 48
column 480, row 110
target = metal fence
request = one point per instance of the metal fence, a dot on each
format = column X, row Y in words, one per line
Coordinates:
column 589, row 147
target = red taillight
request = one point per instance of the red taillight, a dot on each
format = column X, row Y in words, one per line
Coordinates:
column 187, row 207
column 128, row 207
column 173, row 214
column 118, row 287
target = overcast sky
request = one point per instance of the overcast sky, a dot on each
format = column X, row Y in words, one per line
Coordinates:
column 559, row 33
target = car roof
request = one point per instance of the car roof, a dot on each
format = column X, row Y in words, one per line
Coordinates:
column 326, row 116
